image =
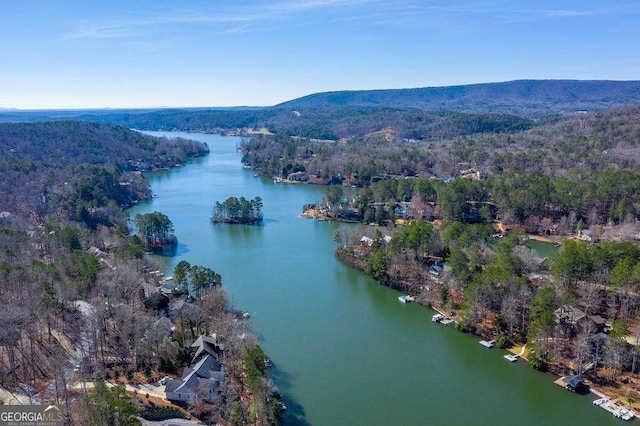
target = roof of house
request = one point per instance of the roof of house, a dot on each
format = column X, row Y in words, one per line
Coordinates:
column 597, row 319
column 569, row 313
column 573, row 381
column 203, row 374
column 205, row 345
column 367, row 240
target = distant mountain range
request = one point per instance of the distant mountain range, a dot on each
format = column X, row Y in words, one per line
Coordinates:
column 426, row 113
column 521, row 97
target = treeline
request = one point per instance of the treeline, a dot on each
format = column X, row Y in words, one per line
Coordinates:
column 539, row 203
column 237, row 210
column 68, row 142
column 155, row 230
column 500, row 289
column 194, row 277
column 531, row 98
column 320, row 122
column 82, row 169
column 585, row 142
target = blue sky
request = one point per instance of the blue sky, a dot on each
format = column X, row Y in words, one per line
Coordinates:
column 141, row 53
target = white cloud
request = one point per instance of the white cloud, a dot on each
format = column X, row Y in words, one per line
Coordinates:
column 128, row 27
column 122, row 27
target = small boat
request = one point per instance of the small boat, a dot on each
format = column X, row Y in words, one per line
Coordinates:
column 627, row 415
column 600, row 401
column 511, row 358
column 623, row 414
column 437, row 318
column 487, row 343
column 405, row 298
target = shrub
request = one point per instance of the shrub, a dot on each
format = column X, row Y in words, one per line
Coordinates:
column 504, row 341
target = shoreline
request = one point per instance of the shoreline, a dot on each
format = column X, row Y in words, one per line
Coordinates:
column 519, row 350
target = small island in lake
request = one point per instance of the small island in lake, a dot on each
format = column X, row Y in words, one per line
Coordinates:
column 238, row 210
column 155, row 231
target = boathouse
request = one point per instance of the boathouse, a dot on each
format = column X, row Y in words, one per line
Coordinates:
column 574, row 383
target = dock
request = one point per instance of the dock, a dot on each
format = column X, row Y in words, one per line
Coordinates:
column 442, row 319
column 617, row 410
column 487, row 343
column 405, row 298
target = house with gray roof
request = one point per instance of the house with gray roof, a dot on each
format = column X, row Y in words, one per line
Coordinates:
column 569, row 314
column 202, row 382
column 205, row 345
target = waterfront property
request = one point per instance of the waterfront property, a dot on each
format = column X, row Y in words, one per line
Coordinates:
column 511, row 358
column 405, row 298
column 204, row 380
column 574, row 383
column 617, row 410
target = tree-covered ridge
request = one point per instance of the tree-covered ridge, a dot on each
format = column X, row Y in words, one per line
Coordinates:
column 67, row 142
column 577, row 145
column 535, row 202
column 522, row 97
column 80, row 169
column 237, row 210
column 321, row 122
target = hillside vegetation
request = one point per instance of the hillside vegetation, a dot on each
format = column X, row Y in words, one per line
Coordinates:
column 79, row 299
column 422, row 113
column 521, row 97
column 319, row 122
column 79, row 168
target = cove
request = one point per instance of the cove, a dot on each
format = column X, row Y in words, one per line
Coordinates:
column 345, row 351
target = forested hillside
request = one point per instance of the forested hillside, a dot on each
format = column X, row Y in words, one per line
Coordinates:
column 319, row 122
column 544, row 179
column 77, row 167
column 424, row 113
column 522, row 97
column 81, row 303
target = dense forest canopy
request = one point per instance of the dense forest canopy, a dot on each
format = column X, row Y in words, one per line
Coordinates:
column 574, row 146
column 155, row 230
column 66, row 142
column 521, row 97
column 320, row 122
column 238, row 210
column 82, row 169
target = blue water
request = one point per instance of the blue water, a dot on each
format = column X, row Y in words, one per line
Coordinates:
column 345, row 350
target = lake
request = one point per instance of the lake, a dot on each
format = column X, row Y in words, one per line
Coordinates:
column 345, row 351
